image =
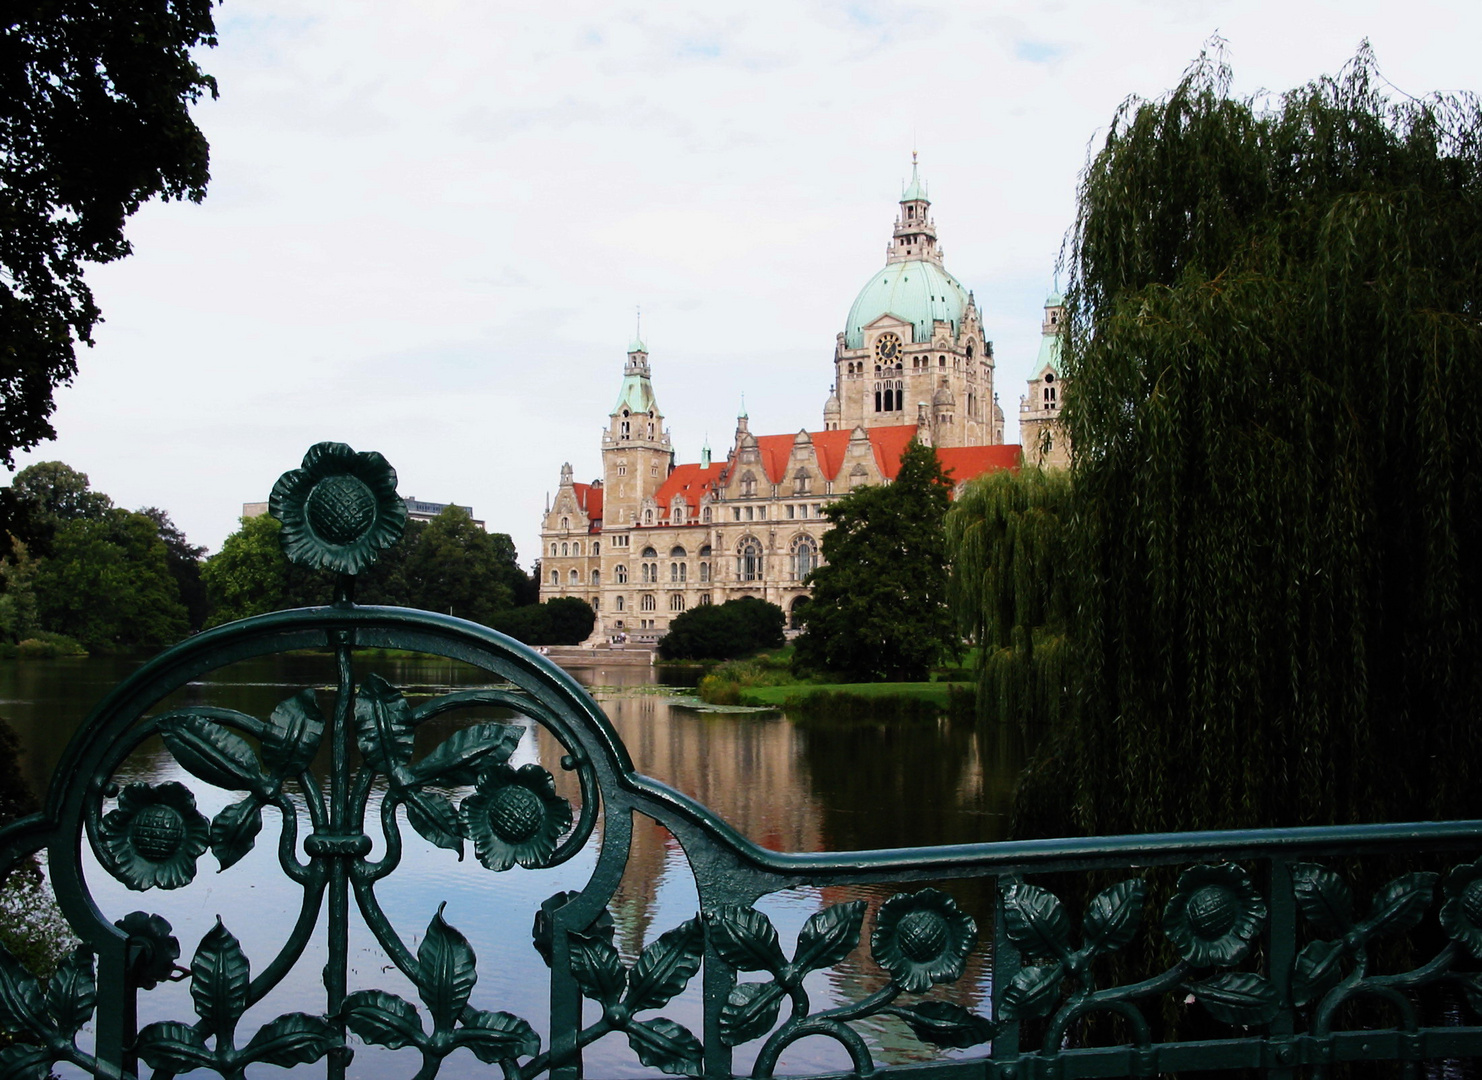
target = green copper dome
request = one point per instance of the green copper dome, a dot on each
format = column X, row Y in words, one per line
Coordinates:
column 916, row 290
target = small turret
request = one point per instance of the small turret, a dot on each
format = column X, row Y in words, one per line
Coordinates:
column 832, row 410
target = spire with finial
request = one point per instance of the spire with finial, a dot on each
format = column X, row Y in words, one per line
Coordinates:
column 637, row 345
column 915, row 235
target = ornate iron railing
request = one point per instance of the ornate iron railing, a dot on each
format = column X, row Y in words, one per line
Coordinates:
column 1264, row 938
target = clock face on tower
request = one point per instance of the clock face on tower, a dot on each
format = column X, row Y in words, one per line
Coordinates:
column 887, row 348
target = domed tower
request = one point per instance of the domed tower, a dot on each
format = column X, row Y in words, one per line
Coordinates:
column 910, row 328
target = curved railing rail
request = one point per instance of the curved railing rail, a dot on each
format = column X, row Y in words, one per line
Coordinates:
column 1268, row 946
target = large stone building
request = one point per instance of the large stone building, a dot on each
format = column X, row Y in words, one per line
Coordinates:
column 653, row 538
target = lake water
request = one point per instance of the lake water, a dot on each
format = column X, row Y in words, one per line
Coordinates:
column 785, row 784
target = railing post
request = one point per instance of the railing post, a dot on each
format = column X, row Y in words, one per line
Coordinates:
column 1281, row 952
column 1005, row 966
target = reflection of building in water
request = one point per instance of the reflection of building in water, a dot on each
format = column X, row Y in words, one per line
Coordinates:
column 746, row 769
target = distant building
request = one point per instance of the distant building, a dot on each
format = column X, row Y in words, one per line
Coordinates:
column 653, row 538
column 417, row 509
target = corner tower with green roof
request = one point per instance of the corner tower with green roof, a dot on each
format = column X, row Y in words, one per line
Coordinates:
column 636, row 454
column 913, row 341
column 1040, row 430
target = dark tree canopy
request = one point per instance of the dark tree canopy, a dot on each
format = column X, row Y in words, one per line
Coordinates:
column 107, row 583
column 449, row 565
column 94, row 122
column 1274, row 373
column 879, row 607
column 564, row 620
column 738, row 627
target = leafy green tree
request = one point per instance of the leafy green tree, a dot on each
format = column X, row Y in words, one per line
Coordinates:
column 107, row 583
column 42, row 496
column 184, row 561
column 250, row 575
column 879, row 609
column 18, row 615
column 565, row 620
column 458, row 568
column 1009, row 592
column 724, row 631
column 1274, row 398
column 94, row 122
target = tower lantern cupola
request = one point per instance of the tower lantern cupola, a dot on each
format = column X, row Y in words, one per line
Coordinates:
column 915, row 235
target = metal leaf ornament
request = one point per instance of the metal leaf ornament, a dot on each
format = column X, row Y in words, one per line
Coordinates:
column 340, row 510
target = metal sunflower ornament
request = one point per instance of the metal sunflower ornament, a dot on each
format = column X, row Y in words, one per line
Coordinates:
column 340, row 510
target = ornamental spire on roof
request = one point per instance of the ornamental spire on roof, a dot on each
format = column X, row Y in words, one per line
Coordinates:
column 915, row 234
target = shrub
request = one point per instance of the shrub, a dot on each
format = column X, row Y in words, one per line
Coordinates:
column 723, row 631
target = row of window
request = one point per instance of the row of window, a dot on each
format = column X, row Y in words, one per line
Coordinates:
column 575, row 548
column 750, row 565
column 918, row 363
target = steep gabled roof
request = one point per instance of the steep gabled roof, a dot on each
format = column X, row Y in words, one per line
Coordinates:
column 589, row 498
column 690, row 481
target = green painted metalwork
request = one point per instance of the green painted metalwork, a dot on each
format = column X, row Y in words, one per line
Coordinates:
column 1270, row 942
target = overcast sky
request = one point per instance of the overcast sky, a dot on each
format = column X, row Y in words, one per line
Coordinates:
column 429, row 223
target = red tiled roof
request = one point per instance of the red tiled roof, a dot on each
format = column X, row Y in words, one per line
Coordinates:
column 691, row 481
column 966, row 462
column 589, row 498
column 890, row 443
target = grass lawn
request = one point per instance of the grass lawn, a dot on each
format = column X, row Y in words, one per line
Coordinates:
column 935, row 692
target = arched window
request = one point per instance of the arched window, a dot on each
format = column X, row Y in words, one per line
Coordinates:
column 575, row 578
column 676, row 601
column 650, row 553
column 648, row 603
column 648, row 516
column 795, row 611
column 563, row 550
column 676, row 552
column 565, row 523
column 618, row 603
column 596, row 547
column 626, row 430
column 748, row 484
column 804, row 557
column 643, row 568
column 678, row 571
column 596, row 577
column 801, row 482
column 555, row 577
column 553, row 551
column 704, row 571
column 705, row 515
column 622, row 575
column 676, row 513
column 749, row 560
column 704, row 599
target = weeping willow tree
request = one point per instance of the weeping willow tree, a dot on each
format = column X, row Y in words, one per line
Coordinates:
column 1274, row 363
column 1008, row 591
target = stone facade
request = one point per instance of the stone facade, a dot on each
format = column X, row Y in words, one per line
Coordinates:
column 653, row 538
